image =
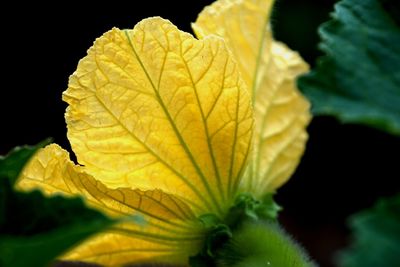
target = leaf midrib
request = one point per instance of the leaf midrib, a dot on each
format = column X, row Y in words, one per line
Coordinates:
column 176, row 131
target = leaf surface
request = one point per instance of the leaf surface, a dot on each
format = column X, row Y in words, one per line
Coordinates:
column 358, row 80
column 36, row 229
column 153, row 108
column 13, row 163
column 269, row 69
column 155, row 225
column 376, row 236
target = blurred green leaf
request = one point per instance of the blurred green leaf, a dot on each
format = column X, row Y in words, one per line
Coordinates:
column 358, row 80
column 35, row 229
column 376, row 236
column 11, row 164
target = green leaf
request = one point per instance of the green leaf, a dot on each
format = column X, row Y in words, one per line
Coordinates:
column 35, row 229
column 358, row 81
column 376, row 234
column 11, row 164
column 247, row 207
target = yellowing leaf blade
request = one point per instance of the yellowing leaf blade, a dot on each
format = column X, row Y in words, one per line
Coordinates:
column 244, row 25
column 115, row 249
column 282, row 115
column 168, row 225
column 269, row 69
column 153, row 107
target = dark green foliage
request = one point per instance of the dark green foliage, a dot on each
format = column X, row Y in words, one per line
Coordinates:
column 376, row 236
column 11, row 164
column 35, row 229
column 358, row 81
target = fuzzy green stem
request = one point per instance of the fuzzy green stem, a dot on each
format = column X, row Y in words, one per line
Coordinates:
column 261, row 244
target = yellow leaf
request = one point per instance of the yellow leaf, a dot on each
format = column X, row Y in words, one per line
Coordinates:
column 269, row 70
column 169, row 229
column 244, row 25
column 120, row 248
column 154, row 108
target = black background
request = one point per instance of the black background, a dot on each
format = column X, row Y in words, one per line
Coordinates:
column 345, row 167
